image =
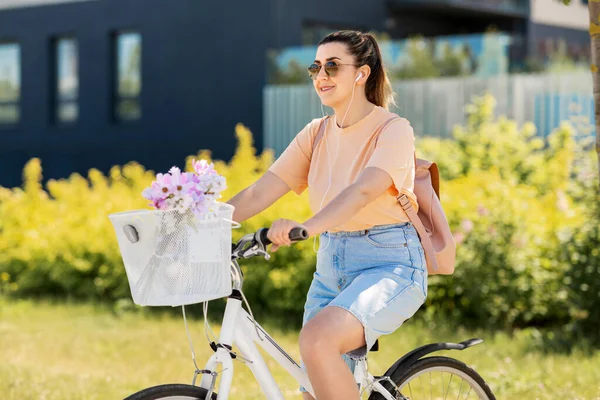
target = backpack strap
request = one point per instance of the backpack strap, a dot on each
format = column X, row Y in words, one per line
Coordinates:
column 386, row 123
column 420, row 228
column 322, row 125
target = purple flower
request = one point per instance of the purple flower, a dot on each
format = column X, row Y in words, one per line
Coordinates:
column 197, row 191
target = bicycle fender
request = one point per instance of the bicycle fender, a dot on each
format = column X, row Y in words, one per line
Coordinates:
column 410, row 358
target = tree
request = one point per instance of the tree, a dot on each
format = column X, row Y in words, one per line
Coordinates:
column 594, row 11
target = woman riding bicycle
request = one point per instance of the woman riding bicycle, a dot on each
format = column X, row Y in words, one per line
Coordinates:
column 371, row 274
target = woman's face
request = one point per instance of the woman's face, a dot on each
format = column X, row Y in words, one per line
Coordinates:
column 334, row 90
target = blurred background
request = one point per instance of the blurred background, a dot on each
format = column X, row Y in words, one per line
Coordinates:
column 96, row 96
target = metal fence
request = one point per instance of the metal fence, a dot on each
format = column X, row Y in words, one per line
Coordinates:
column 435, row 106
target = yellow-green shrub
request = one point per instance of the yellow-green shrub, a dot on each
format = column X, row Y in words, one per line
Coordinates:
column 59, row 240
column 507, row 195
column 510, row 198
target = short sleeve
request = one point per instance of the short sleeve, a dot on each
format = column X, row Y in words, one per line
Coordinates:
column 293, row 164
column 394, row 153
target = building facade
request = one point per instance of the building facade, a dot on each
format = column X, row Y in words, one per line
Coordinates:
column 96, row 83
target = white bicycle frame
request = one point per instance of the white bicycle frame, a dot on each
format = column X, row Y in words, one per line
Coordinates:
column 239, row 329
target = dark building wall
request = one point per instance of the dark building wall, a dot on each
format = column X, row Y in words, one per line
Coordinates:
column 538, row 34
column 443, row 22
column 203, row 71
column 289, row 17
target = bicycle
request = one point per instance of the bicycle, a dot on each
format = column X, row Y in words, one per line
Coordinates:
column 239, row 328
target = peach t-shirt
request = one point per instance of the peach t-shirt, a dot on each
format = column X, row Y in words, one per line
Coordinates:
column 360, row 146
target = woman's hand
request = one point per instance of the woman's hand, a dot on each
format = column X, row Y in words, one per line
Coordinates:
column 279, row 232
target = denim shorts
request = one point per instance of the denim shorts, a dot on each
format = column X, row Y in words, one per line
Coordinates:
column 379, row 275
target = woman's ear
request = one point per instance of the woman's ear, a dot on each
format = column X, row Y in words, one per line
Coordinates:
column 363, row 73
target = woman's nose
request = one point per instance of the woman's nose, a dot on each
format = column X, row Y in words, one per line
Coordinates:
column 322, row 75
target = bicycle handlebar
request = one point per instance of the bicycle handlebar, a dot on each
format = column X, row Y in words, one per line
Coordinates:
column 254, row 244
column 296, row 234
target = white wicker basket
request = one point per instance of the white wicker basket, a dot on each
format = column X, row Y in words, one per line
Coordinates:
column 174, row 259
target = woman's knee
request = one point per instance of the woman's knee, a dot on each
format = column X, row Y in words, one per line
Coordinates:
column 309, row 338
column 332, row 329
column 314, row 338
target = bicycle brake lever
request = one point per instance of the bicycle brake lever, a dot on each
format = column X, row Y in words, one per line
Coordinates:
column 262, row 248
column 265, row 254
column 254, row 251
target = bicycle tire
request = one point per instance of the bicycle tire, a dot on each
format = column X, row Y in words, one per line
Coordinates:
column 173, row 391
column 429, row 363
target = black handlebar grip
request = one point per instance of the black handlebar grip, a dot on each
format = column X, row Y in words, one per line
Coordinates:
column 296, row 234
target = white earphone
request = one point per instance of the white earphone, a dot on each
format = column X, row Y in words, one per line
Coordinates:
column 360, row 75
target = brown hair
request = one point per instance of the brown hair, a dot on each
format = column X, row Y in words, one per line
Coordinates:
column 365, row 50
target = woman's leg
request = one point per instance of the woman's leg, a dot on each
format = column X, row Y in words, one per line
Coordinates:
column 331, row 333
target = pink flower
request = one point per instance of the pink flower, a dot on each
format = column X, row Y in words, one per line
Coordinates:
column 482, row 211
column 459, row 237
column 202, row 167
column 162, row 186
column 159, row 204
column 466, row 225
column 562, row 202
column 181, row 183
column 197, row 191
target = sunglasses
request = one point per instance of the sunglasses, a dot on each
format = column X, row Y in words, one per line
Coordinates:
column 331, row 69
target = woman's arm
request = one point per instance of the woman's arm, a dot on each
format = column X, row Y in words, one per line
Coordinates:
column 370, row 184
column 258, row 196
column 387, row 169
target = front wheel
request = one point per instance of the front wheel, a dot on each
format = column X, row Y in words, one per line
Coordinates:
column 172, row 392
column 439, row 378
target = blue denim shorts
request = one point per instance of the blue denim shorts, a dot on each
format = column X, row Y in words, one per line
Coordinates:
column 379, row 275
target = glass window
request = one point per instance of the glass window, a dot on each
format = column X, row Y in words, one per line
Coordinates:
column 67, row 80
column 129, row 76
column 10, row 83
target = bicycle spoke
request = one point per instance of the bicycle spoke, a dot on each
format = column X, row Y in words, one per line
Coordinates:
column 468, row 393
column 447, row 391
column 459, row 389
column 443, row 384
column 430, row 387
column 442, row 388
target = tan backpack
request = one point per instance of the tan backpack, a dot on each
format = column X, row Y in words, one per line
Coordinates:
column 430, row 221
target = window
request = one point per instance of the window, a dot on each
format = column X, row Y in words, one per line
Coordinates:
column 128, row 83
column 10, row 83
column 67, row 80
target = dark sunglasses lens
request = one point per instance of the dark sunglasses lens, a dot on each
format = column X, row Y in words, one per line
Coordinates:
column 313, row 71
column 331, row 68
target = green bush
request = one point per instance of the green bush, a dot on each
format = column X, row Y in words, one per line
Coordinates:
column 527, row 238
column 580, row 250
column 58, row 241
column 507, row 194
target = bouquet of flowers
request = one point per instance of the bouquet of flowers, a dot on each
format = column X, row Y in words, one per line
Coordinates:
column 196, row 191
column 181, row 254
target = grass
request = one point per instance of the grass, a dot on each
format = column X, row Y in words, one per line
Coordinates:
column 74, row 351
